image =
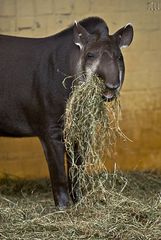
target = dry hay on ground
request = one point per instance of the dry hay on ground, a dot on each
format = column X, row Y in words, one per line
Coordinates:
column 121, row 207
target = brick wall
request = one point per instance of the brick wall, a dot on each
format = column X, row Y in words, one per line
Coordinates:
column 141, row 95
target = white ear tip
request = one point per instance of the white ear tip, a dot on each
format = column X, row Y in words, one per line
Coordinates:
column 75, row 22
column 79, row 45
column 129, row 24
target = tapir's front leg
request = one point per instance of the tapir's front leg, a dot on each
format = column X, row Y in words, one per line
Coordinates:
column 54, row 151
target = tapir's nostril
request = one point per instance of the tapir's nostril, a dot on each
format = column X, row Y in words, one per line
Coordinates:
column 112, row 86
column 109, row 86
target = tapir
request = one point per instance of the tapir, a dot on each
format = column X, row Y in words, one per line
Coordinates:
column 32, row 94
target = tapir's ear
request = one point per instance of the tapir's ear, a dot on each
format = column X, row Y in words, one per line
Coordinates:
column 80, row 35
column 124, row 36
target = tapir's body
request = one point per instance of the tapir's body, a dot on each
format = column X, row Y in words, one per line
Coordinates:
column 32, row 93
column 31, row 84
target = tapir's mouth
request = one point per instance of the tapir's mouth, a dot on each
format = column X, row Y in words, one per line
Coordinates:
column 109, row 95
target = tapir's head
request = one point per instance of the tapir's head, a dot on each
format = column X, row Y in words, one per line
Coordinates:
column 100, row 54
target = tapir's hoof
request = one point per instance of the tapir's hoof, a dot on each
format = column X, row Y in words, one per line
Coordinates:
column 61, row 209
column 62, row 202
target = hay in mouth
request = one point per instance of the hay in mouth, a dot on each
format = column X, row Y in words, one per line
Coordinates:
column 91, row 124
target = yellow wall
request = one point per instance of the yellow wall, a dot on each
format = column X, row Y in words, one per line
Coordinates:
column 141, row 94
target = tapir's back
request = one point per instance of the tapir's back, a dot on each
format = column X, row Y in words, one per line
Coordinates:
column 17, row 55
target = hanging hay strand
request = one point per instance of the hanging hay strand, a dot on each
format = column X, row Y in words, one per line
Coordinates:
column 91, row 124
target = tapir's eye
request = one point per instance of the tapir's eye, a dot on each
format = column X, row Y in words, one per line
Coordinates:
column 91, row 55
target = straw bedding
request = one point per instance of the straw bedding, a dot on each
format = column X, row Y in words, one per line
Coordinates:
column 128, row 208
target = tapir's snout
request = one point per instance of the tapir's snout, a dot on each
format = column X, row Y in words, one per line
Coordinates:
column 110, row 92
column 109, row 72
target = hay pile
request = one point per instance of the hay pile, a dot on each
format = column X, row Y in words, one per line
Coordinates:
column 129, row 208
column 91, row 126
